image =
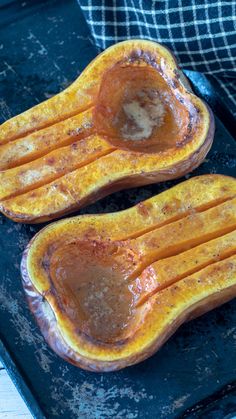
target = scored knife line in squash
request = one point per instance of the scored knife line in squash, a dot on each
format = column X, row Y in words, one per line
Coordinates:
column 169, row 266
column 134, row 97
column 42, row 179
column 80, row 95
column 155, row 213
column 208, row 277
column 166, row 241
column 173, row 254
column 185, row 213
column 57, row 121
column 97, row 178
column 174, row 268
column 40, row 143
column 30, row 176
column 173, row 244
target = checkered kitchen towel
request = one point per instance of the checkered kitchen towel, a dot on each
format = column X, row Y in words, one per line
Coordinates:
column 201, row 33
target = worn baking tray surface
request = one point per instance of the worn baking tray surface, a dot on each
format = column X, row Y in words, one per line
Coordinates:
column 43, row 47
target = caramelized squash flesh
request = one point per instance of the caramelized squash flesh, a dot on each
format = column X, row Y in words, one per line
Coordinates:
column 108, row 290
column 130, row 119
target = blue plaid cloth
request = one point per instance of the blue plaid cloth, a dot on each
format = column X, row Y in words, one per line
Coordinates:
column 201, row 33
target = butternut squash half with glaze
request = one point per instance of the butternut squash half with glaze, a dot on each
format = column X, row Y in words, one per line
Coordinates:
column 108, row 290
column 130, row 119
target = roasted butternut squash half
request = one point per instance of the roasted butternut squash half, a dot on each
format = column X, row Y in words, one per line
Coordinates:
column 130, row 119
column 108, row 290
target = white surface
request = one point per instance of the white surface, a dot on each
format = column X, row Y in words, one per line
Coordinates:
column 11, row 404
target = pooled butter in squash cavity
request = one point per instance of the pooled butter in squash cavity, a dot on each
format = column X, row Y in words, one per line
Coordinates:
column 93, row 292
column 142, row 115
column 137, row 110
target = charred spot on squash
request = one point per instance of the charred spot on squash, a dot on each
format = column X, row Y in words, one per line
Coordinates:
column 143, row 209
column 74, row 146
column 138, row 110
column 141, row 57
column 50, row 161
column 74, row 132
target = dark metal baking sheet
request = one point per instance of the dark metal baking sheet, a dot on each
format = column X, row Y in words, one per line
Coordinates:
column 43, row 46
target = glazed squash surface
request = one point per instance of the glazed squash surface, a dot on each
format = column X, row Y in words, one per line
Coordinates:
column 108, row 290
column 130, row 119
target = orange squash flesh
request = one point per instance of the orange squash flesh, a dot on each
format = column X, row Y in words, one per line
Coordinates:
column 165, row 272
column 108, row 290
column 57, row 163
column 188, row 232
column 40, row 143
column 80, row 187
column 134, row 100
